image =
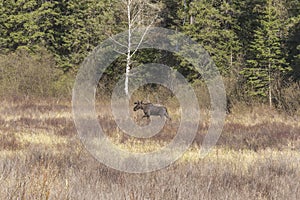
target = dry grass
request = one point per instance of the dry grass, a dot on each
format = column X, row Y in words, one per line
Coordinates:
column 257, row 157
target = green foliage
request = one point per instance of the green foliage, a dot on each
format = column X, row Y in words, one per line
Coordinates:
column 213, row 27
column 268, row 63
column 169, row 14
column 293, row 41
column 80, row 26
column 19, row 24
column 247, row 19
column 70, row 29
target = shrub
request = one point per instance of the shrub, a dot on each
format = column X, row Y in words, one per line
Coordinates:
column 27, row 73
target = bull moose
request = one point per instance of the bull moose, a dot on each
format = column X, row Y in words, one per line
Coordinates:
column 150, row 109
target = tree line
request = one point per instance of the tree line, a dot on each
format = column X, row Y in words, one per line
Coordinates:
column 254, row 43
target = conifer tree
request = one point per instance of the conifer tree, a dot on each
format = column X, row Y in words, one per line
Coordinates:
column 212, row 25
column 268, row 63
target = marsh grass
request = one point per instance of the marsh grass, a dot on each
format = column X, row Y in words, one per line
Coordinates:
column 256, row 157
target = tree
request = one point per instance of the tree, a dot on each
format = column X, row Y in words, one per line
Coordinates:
column 69, row 29
column 247, row 20
column 169, row 14
column 212, row 25
column 19, row 24
column 139, row 14
column 268, row 64
column 293, row 41
column 78, row 27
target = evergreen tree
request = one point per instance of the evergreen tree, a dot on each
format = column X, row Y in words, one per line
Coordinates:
column 293, row 41
column 79, row 26
column 268, row 64
column 18, row 24
column 247, row 19
column 169, row 14
column 70, row 29
column 212, row 25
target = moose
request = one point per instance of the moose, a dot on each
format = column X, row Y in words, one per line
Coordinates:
column 150, row 109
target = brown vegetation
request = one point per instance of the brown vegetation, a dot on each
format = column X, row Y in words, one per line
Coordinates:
column 42, row 158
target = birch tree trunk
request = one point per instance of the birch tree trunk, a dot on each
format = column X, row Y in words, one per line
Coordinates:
column 139, row 14
column 128, row 58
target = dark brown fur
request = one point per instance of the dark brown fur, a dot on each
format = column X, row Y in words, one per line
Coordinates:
column 150, row 109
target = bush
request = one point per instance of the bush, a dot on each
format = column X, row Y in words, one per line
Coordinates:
column 289, row 99
column 27, row 73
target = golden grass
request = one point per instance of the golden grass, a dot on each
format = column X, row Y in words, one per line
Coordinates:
column 191, row 155
column 262, row 114
column 42, row 138
column 42, row 158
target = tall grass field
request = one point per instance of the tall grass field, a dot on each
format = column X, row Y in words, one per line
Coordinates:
column 41, row 157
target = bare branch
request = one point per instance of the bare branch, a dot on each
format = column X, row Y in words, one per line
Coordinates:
column 136, row 15
column 115, row 41
column 122, row 53
column 134, row 29
column 141, row 40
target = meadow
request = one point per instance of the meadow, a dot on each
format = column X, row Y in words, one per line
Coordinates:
column 41, row 157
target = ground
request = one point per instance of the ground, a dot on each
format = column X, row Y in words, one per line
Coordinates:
column 41, row 157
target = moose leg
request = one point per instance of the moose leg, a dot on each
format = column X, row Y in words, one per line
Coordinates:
column 167, row 116
column 146, row 116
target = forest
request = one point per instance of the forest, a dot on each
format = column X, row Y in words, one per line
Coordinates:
column 254, row 43
column 255, row 154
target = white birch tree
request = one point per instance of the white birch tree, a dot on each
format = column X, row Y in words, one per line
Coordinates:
column 139, row 14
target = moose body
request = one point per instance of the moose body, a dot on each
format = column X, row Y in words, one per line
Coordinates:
column 150, row 109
